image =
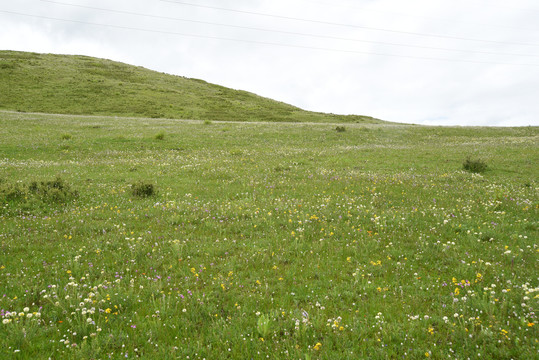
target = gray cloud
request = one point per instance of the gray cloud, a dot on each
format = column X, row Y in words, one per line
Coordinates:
column 468, row 86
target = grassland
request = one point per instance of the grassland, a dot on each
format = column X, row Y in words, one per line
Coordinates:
column 85, row 85
column 265, row 240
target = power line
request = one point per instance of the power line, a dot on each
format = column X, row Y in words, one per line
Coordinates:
column 429, row 18
column 286, row 32
column 346, row 25
column 265, row 43
column 514, row 8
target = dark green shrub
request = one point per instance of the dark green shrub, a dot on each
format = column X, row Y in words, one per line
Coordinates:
column 57, row 190
column 160, row 136
column 340, row 129
column 474, row 165
column 11, row 192
column 143, row 189
column 36, row 195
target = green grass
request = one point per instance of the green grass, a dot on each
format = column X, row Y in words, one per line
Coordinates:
column 261, row 240
column 84, row 85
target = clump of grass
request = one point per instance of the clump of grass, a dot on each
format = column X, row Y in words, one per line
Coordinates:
column 474, row 165
column 281, row 168
column 208, row 122
column 235, row 152
column 36, row 194
column 11, row 192
column 143, row 189
column 57, row 190
column 340, row 129
column 66, row 136
column 264, row 326
column 160, row 136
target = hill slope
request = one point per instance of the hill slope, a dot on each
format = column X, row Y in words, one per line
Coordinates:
column 67, row 84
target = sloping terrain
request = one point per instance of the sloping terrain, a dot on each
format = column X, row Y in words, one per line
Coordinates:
column 81, row 85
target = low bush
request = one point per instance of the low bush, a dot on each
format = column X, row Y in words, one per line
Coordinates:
column 36, row 195
column 56, row 191
column 474, row 165
column 143, row 189
column 11, row 192
column 340, row 129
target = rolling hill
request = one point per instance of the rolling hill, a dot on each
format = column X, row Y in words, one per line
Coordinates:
column 82, row 85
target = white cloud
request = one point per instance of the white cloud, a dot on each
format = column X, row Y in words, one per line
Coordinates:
column 455, row 90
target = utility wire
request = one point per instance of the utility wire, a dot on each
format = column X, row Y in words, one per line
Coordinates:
column 263, row 42
column 346, row 25
column 512, row 8
column 429, row 18
column 286, row 32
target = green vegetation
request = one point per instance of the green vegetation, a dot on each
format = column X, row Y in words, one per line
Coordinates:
column 143, row 189
column 160, row 136
column 34, row 195
column 281, row 240
column 62, row 84
column 474, row 165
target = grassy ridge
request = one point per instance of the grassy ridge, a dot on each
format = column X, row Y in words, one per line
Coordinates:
column 64, row 84
column 266, row 240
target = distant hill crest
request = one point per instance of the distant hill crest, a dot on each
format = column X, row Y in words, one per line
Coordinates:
column 83, row 85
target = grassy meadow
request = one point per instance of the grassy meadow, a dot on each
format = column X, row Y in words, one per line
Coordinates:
column 84, row 85
column 170, row 239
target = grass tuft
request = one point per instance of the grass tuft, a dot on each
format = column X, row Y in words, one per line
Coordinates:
column 474, row 165
column 160, row 135
column 143, row 189
column 36, row 195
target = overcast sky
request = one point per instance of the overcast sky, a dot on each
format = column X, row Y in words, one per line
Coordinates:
column 436, row 62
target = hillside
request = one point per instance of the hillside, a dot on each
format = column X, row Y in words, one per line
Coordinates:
column 82, row 85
